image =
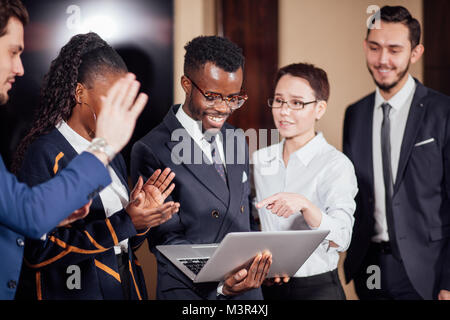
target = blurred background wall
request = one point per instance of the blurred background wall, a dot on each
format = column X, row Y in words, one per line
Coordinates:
column 140, row 30
column 152, row 33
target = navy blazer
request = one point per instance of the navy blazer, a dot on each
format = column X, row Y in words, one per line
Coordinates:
column 32, row 212
column 208, row 208
column 421, row 200
column 88, row 243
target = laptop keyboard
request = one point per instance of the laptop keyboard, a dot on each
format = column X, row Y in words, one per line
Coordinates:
column 195, row 265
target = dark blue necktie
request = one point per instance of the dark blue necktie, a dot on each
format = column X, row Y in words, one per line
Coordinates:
column 218, row 164
column 387, row 175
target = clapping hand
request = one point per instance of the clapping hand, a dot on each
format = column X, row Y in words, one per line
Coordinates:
column 76, row 215
column 146, row 207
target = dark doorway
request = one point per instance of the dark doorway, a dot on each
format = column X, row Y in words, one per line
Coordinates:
column 436, row 29
column 140, row 30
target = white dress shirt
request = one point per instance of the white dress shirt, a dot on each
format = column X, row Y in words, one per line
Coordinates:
column 324, row 176
column 115, row 196
column 194, row 129
column 398, row 116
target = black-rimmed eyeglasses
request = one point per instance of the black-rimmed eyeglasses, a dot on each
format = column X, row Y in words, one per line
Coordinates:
column 293, row 104
column 215, row 99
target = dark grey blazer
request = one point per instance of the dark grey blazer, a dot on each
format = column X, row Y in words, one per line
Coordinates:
column 421, row 193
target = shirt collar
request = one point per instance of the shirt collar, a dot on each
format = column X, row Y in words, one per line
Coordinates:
column 77, row 142
column 305, row 154
column 193, row 127
column 400, row 98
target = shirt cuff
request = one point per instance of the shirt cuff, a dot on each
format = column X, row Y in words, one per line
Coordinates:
column 325, row 223
column 220, row 289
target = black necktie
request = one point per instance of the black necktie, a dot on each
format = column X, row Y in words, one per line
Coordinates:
column 218, row 164
column 387, row 175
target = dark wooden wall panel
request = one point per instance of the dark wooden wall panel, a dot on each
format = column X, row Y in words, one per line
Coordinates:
column 253, row 25
column 437, row 45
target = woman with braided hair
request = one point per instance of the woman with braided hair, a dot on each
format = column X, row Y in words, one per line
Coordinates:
column 92, row 257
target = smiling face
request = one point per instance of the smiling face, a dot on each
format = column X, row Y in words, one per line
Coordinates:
column 210, row 79
column 11, row 47
column 297, row 124
column 389, row 55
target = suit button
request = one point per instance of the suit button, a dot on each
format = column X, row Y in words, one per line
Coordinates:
column 20, row 242
column 242, row 209
column 215, row 214
column 12, row 284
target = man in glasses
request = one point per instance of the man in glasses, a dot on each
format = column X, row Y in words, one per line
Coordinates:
column 213, row 193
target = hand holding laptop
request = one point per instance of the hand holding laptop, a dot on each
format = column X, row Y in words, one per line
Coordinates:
column 245, row 268
column 277, row 280
column 248, row 278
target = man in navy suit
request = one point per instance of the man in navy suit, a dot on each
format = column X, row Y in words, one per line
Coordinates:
column 31, row 212
column 399, row 141
column 210, row 160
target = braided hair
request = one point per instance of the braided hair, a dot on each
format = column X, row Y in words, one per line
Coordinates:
column 79, row 61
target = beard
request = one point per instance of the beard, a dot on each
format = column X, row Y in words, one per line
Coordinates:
column 386, row 87
column 3, row 98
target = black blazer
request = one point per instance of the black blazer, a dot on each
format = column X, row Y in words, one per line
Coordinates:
column 25, row 211
column 421, row 200
column 208, row 209
column 87, row 243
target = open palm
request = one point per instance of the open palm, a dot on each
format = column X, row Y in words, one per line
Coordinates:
column 147, row 207
column 155, row 191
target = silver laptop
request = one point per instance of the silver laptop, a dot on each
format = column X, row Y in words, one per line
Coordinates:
column 212, row 262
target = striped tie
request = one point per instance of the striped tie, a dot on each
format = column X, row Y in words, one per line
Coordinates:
column 218, row 164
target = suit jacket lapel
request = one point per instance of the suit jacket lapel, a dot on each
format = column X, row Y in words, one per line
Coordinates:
column 416, row 113
column 69, row 155
column 365, row 144
column 234, row 151
column 233, row 160
column 205, row 173
column 115, row 164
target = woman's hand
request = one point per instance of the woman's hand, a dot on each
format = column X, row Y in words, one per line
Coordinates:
column 285, row 204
